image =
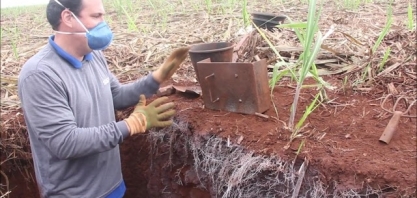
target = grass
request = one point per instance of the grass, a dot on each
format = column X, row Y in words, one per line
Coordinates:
column 384, row 59
column 305, row 33
column 368, row 73
column 411, row 25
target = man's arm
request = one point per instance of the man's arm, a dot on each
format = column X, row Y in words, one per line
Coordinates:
column 127, row 95
column 50, row 118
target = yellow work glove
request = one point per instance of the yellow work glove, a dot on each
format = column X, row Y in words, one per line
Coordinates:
column 156, row 114
column 171, row 64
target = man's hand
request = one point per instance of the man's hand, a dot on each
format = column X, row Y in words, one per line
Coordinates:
column 156, row 114
column 171, row 64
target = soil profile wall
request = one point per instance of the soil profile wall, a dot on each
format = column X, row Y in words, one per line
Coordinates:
column 176, row 162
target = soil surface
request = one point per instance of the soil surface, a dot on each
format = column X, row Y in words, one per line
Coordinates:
column 341, row 138
column 340, row 141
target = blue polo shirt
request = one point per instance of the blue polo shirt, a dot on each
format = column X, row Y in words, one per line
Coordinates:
column 121, row 189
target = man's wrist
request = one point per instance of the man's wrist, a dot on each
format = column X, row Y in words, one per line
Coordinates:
column 123, row 128
column 157, row 76
column 128, row 127
column 136, row 123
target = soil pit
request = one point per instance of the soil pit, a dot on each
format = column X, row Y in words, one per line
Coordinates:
column 209, row 153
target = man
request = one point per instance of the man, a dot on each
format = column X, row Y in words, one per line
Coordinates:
column 68, row 99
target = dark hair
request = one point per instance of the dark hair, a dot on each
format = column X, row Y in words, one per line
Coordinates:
column 54, row 10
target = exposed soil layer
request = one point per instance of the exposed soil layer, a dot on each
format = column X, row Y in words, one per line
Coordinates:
column 20, row 182
column 341, row 137
column 340, row 143
column 154, row 167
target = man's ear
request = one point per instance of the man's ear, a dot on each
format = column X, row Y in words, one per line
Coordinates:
column 66, row 18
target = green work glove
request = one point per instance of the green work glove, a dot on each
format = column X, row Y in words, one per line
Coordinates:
column 156, row 114
column 171, row 64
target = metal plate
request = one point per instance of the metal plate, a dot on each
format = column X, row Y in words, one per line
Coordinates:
column 235, row 87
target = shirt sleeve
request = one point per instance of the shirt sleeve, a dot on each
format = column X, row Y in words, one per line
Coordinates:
column 126, row 95
column 49, row 117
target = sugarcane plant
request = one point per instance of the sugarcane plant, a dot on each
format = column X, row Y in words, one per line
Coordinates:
column 304, row 67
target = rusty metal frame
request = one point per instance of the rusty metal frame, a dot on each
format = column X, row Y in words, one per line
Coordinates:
column 233, row 86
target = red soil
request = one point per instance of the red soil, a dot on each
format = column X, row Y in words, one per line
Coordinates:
column 341, row 141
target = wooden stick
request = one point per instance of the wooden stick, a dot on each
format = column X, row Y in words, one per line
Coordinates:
column 262, row 115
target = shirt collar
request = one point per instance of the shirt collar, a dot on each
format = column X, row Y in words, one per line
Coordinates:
column 72, row 60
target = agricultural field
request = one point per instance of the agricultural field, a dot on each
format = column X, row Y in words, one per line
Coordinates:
column 335, row 70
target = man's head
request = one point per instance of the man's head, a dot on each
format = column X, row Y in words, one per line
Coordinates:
column 54, row 11
column 73, row 18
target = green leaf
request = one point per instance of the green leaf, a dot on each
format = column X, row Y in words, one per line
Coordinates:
column 293, row 25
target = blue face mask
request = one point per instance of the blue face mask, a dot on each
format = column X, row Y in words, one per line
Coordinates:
column 98, row 38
